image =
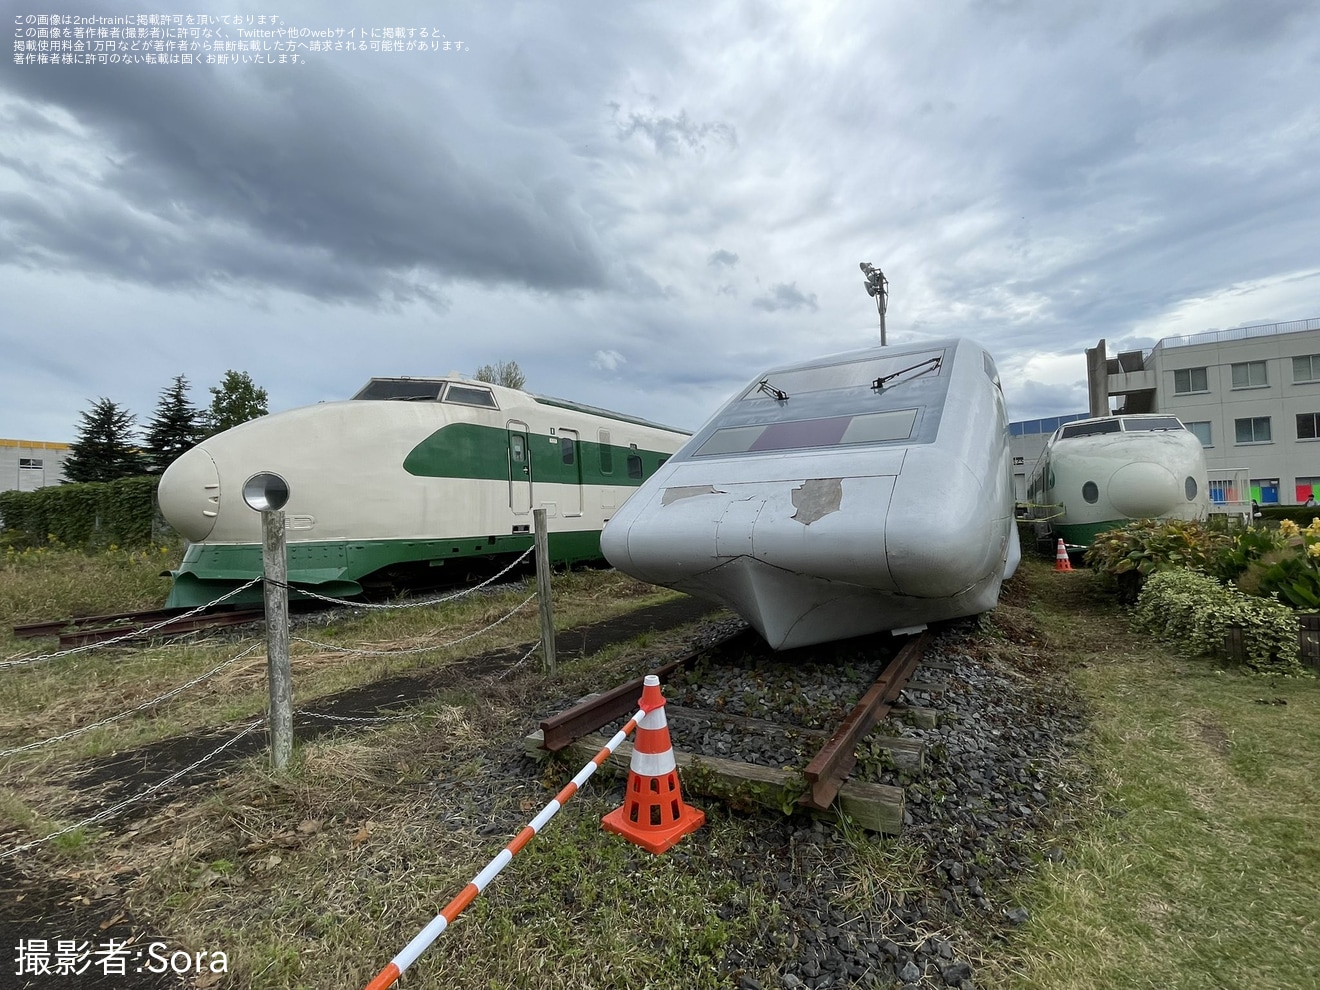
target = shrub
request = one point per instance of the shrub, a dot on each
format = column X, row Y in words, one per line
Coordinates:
column 1196, row 611
column 88, row 514
column 1130, row 554
column 1289, row 571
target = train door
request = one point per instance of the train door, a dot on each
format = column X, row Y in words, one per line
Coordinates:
column 520, row 469
column 570, row 456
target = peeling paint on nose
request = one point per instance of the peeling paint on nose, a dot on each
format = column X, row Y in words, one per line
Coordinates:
column 817, row 498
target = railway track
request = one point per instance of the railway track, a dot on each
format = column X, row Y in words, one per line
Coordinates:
column 85, row 630
column 826, row 774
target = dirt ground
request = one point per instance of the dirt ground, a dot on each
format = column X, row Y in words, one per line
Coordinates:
column 43, row 904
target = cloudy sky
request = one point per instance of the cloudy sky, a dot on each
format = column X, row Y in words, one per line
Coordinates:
column 643, row 202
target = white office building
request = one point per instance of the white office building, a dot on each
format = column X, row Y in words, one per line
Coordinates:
column 1252, row 395
column 26, row 465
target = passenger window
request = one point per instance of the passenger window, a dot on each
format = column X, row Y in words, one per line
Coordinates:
column 606, row 453
column 634, row 467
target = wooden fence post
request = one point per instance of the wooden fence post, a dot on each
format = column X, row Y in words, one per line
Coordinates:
column 543, row 593
column 279, row 674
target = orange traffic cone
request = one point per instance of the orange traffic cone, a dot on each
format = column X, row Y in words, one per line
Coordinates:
column 1061, row 561
column 653, row 814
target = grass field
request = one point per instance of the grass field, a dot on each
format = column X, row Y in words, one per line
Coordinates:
column 1193, row 862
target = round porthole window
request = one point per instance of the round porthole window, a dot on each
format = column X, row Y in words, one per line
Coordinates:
column 1090, row 492
column 1189, row 486
column 266, row 491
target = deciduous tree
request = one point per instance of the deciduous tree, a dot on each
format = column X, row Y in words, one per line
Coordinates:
column 235, row 400
column 506, row 373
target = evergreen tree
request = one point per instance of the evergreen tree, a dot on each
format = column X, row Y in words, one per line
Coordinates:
column 235, row 400
column 105, row 449
column 175, row 428
column 506, row 373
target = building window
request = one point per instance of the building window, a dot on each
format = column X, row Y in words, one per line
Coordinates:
column 1307, row 488
column 1265, row 490
column 1308, row 426
column 1202, row 432
column 31, row 463
column 1249, row 374
column 1190, row 380
column 1253, row 430
column 1306, row 368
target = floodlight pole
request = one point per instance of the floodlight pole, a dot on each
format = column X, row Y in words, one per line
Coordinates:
column 877, row 286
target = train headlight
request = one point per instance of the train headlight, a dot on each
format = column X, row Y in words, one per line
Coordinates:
column 265, row 491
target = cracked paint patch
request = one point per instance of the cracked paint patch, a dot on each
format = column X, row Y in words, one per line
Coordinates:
column 817, row 498
column 689, row 491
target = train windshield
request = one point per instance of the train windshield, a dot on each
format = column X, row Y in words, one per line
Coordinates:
column 403, row 389
column 854, row 374
column 829, row 432
column 1089, row 429
column 1152, row 423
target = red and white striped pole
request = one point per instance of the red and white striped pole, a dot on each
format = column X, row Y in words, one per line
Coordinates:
column 400, row 963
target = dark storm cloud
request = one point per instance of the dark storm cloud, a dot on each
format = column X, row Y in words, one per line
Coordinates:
column 785, row 296
column 1226, row 24
column 307, row 184
column 672, row 135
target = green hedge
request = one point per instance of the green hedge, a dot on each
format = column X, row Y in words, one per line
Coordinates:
column 1299, row 514
column 1197, row 612
column 95, row 513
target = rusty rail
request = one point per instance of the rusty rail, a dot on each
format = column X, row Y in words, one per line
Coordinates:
column 220, row 620
column 835, row 760
column 52, row 627
column 588, row 715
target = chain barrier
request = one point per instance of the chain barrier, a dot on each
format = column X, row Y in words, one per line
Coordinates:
column 114, row 809
column 517, row 663
column 133, row 634
column 418, row 649
column 132, row 711
column 400, row 605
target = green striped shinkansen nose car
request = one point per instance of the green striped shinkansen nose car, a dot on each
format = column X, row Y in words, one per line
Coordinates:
column 410, row 475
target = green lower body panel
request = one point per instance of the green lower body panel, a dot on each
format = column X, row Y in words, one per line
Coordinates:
column 1082, row 535
column 341, row 569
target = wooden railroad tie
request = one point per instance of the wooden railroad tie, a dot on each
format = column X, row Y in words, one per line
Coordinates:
column 875, row 807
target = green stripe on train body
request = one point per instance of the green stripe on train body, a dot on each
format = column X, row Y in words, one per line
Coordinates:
column 471, row 450
column 338, row 569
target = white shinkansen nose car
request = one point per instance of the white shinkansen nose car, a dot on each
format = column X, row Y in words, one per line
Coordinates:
column 863, row 492
column 1095, row 474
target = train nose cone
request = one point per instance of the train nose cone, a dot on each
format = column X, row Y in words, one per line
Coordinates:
column 189, row 495
column 1143, row 489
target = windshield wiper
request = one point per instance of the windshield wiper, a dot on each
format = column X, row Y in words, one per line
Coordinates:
column 779, row 394
column 934, row 362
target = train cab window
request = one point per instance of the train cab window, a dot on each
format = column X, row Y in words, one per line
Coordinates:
column 606, row 452
column 1088, row 429
column 853, row 374
column 1154, row 423
column 468, row 395
column 400, row 389
column 832, row 431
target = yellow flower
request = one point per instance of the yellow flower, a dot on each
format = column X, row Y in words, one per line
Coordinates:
column 1313, row 550
column 1314, row 528
column 1289, row 528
